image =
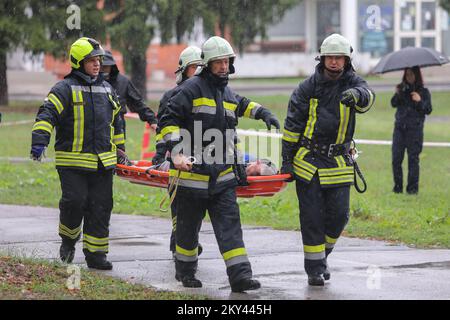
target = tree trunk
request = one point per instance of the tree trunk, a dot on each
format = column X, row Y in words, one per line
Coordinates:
column 3, row 80
column 138, row 73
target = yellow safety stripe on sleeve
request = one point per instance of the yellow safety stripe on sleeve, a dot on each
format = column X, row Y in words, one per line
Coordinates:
column 169, row 129
column 185, row 252
column 249, row 110
column 78, row 122
column 369, row 105
column 158, row 137
column 119, row 139
column 344, row 112
column 230, row 169
column 229, row 106
column 108, row 158
column 290, row 136
column 43, row 125
column 203, row 102
column 234, row 253
column 314, row 249
column 309, row 129
column 56, row 102
column 330, row 239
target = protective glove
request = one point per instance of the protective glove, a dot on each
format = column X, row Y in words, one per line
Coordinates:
column 267, row 116
column 122, row 158
column 271, row 120
column 37, row 152
column 350, row 97
column 241, row 174
column 287, row 168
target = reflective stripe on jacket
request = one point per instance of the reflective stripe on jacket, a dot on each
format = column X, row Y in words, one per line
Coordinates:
column 315, row 111
column 84, row 114
column 199, row 100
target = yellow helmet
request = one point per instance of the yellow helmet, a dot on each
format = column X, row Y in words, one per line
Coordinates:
column 84, row 48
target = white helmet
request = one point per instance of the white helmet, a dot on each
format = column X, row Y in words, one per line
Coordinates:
column 216, row 48
column 190, row 55
column 335, row 45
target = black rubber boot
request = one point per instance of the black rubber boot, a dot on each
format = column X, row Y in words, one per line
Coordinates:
column 397, row 189
column 98, row 261
column 189, row 281
column 245, row 284
column 67, row 252
column 326, row 274
column 315, row 280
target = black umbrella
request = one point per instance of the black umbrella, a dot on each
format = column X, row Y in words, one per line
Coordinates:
column 409, row 57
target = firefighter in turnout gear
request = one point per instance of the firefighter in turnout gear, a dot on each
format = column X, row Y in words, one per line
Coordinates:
column 190, row 59
column 189, row 62
column 84, row 111
column 204, row 104
column 412, row 101
column 127, row 93
column 316, row 141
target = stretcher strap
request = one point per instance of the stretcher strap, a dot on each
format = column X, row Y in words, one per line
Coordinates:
column 173, row 186
column 360, row 175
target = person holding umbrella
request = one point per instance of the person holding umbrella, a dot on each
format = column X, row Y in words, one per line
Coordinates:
column 412, row 101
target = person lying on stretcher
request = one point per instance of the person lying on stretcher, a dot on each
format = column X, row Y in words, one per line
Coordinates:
column 258, row 167
column 253, row 167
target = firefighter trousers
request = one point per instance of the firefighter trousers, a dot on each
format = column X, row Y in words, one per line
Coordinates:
column 225, row 218
column 411, row 141
column 86, row 204
column 324, row 212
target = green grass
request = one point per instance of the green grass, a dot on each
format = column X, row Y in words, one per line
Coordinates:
column 35, row 279
column 422, row 220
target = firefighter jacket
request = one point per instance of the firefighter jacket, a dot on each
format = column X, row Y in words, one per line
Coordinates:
column 85, row 114
column 409, row 113
column 130, row 97
column 319, row 128
column 206, row 100
column 161, row 149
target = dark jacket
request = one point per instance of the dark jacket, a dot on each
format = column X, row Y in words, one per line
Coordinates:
column 315, row 114
column 410, row 113
column 84, row 113
column 203, row 99
column 130, row 97
column 161, row 148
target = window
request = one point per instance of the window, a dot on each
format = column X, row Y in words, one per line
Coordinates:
column 376, row 26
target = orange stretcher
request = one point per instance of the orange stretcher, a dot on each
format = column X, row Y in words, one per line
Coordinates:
column 141, row 173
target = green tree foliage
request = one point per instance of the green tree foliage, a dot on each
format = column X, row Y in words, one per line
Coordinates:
column 131, row 28
column 445, row 4
column 245, row 18
column 44, row 26
column 12, row 21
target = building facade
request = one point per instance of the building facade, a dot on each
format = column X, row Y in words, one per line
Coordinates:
column 374, row 27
